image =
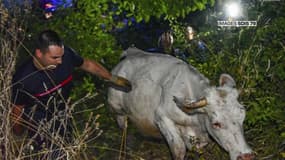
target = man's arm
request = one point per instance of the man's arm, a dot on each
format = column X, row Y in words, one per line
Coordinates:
column 97, row 69
column 17, row 120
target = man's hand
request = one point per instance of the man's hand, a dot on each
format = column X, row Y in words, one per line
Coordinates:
column 121, row 82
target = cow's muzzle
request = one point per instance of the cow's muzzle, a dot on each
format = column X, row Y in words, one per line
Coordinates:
column 246, row 156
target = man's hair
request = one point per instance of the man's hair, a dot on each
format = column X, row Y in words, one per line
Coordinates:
column 47, row 38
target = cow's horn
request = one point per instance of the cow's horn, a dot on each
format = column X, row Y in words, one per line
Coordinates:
column 197, row 104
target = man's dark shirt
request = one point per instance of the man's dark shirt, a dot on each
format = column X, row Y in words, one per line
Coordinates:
column 46, row 90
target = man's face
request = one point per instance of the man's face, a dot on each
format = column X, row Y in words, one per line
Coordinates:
column 53, row 57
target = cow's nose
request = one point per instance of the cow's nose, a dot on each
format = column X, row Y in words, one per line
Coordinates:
column 246, row 156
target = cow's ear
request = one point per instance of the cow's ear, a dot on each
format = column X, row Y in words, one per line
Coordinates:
column 227, row 80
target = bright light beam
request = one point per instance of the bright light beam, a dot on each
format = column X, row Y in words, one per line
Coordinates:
column 233, row 10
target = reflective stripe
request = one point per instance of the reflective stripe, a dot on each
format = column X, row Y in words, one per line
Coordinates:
column 55, row 88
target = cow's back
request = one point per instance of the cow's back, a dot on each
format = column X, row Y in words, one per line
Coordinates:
column 137, row 63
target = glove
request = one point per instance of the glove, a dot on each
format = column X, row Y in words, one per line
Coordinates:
column 121, row 82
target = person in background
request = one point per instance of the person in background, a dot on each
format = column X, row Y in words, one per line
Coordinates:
column 196, row 48
column 189, row 33
column 42, row 85
column 165, row 43
column 165, row 46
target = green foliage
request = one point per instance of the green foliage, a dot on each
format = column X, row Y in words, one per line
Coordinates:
column 87, row 85
column 144, row 10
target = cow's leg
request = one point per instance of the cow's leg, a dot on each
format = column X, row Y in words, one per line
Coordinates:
column 188, row 141
column 122, row 121
column 173, row 138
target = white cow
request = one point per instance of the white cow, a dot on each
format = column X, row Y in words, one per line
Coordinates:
column 167, row 100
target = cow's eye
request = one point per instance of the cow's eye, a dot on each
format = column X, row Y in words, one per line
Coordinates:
column 217, row 125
